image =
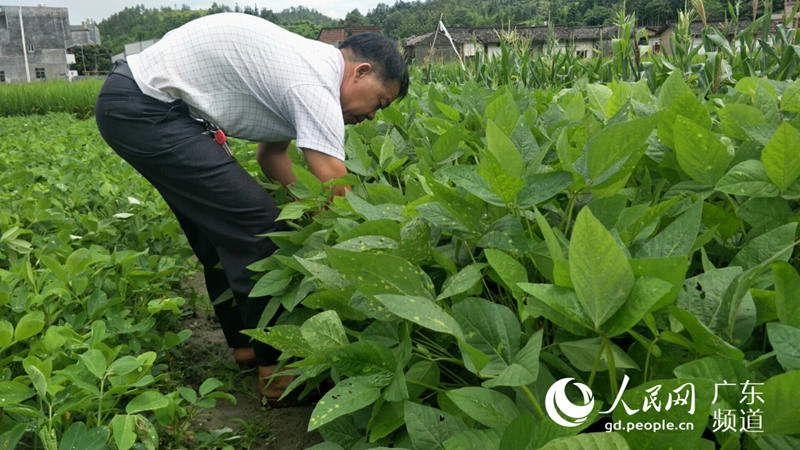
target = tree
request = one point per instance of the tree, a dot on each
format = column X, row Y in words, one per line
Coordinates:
column 354, row 19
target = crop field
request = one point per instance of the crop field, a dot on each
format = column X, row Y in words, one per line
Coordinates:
column 536, row 253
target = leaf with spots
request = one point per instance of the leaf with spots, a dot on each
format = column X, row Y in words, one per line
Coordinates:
column 375, row 274
column 463, row 281
column 345, row 398
column 324, row 331
column 429, row 427
column 423, row 312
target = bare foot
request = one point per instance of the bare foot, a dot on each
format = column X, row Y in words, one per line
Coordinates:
column 273, row 388
column 245, row 357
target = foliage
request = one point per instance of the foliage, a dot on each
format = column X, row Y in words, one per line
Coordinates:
column 88, row 303
column 499, row 238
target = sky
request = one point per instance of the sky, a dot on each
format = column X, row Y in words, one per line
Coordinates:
column 101, row 9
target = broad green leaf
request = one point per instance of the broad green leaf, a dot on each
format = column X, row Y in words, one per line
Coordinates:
column 720, row 371
column 598, row 268
column 735, row 116
column 614, row 145
column 646, row 293
column 705, row 342
column 558, row 304
column 698, row 394
column 6, row 333
column 513, row 375
column 414, row 244
column 445, row 145
column 346, row 397
column 29, row 325
column 465, row 212
column 781, row 156
column 774, row 244
column 419, row 375
column 271, row 284
column 292, row 211
column 700, row 154
column 286, row 338
column 208, row 386
column 380, row 274
column 677, row 238
column 784, row 339
column 528, row 356
column 123, row 427
column 12, row 393
column 582, row 354
column 363, row 358
column 501, row 183
column 387, row 419
column 748, row 178
column 308, row 180
column 77, row 437
column 781, row 405
column 590, row 441
column 490, row 408
column 463, row 281
column 508, row 269
column 324, row 331
column 380, row 227
column 598, row 96
column 790, row 100
column 38, row 380
column 363, row 207
column 506, row 234
column 95, row 362
column 146, row 401
column 541, row 187
column 55, row 268
column 490, row 328
column 504, row 151
column 672, row 270
column 680, row 100
column 473, row 439
column 423, row 312
column 429, row 427
column 787, row 293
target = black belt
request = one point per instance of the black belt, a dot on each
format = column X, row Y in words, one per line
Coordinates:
column 121, row 67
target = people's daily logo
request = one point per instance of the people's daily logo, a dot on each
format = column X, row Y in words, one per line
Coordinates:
column 562, row 410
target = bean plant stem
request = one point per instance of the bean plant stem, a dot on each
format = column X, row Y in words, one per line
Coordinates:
column 612, row 370
column 647, row 359
column 594, row 366
column 533, row 400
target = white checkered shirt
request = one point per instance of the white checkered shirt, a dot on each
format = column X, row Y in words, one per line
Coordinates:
column 251, row 78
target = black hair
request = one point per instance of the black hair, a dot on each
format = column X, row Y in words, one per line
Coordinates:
column 383, row 54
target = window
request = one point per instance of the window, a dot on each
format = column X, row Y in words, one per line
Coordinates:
column 30, row 48
column 40, row 72
column 3, row 22
column 2, row 76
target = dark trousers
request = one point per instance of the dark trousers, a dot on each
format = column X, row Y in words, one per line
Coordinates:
column 220, row 207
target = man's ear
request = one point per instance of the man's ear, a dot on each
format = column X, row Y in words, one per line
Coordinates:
column 363, row 69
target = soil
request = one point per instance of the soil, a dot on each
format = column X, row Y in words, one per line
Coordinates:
column 207, row 355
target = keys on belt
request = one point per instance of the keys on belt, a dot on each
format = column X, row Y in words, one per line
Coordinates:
column 219, row 138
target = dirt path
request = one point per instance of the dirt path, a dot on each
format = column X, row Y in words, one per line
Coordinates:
column 261, row 427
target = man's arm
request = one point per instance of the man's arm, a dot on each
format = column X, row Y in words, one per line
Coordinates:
column 326, row 167
column 276, row 165
column 275, row 162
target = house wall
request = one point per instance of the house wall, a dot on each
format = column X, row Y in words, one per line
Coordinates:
column 47, row 36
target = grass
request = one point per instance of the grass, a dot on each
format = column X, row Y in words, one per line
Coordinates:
column 77, row 98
